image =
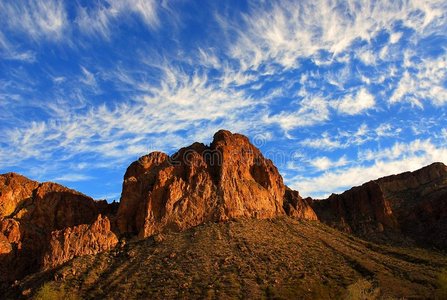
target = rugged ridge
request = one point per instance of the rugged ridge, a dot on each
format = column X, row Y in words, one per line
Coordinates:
column 32, row 215
column 410, row 205
column 228, row 179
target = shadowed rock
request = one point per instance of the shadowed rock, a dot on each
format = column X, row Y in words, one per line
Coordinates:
column 411, row 204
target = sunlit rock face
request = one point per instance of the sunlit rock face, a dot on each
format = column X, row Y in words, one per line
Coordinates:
column 32, row 214
column 411, row 204
column 228, row 179
column 79, row 240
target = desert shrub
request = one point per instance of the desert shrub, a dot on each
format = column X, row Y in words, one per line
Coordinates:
column 50, row 291
column 362, row 289
column 441, row 292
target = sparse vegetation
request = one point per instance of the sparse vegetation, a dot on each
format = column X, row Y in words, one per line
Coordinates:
column 262, row 259
column 362, row 289
column 441, row 293
column 52, row 291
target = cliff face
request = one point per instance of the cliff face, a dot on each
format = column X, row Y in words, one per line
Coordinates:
column 228, row 179
column 32, row 213
column 411, row 204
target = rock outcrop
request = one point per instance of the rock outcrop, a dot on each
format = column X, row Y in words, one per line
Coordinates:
column 228, row 179
column 79, row 240
column 33, row 213
column 14, row 189
column 297, row 207
column 411, row 204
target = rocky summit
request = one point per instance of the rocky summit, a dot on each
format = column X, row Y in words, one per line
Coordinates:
column 45, row 225
column 228, row 179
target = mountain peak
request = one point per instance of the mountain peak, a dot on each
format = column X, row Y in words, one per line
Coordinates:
column 229, row 179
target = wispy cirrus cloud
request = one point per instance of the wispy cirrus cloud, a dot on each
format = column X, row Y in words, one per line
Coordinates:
column 37, row 19
column 354, row 104
column 423, row 81
column 312, row 110
column 100, row 19
column 324, row 163
column 344, row 139
column 178, row 102
column 282, row 32
column 72, row 178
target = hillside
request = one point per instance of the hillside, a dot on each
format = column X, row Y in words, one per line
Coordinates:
column 280, row 258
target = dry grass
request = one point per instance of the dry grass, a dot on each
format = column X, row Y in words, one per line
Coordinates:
column 268, row 259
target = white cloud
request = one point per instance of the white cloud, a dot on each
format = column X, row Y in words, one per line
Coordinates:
column 367, row 56
column 322, row 143
column 25, row 56
column 395, row 37
column 10, row 52
column 400, row 149
column 427, row 83
column 355, row 104
column 282, row 32
column 58, row 79
column 324, row 163
column 178, row 102
column 98, row 21
column 72, row 178
column 312, row 111
column 38, row 19
column 347, row 138
column 399, row 158
column 88, row 78
column 387, row 130
column 444, row 133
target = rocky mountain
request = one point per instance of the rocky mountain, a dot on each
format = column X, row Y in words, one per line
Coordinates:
column 228, row 179
column 45, row 225
column 410, row 205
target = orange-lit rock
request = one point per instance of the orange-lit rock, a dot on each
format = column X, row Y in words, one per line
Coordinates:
column 31, row 211
column 79, row 240
column 228, row 179
column 297, row 207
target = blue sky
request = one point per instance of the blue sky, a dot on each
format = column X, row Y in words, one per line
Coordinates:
column 336, row 93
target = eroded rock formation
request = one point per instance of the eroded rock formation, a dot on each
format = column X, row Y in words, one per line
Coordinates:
column 229, row 179
column 79, row 240
column 33, row 213
column 411, row 204
column 297, row 207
